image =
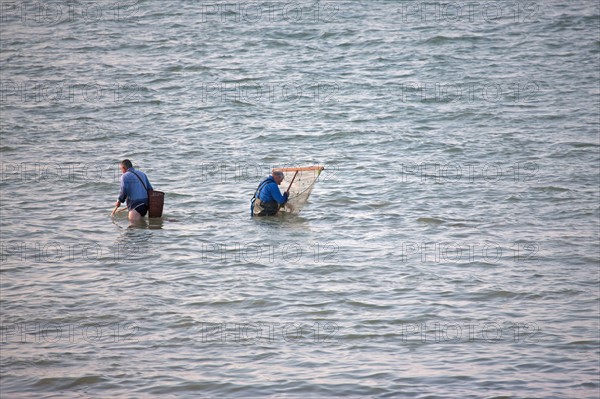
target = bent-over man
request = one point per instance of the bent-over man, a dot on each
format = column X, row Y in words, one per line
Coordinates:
column 134, row 190
column 268, row 199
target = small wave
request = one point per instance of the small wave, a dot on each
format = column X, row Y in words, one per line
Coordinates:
column 430, row 220
column 368, row 305
column 584, row 145
column 440, row 39
column 552, row 188
column 68, row 382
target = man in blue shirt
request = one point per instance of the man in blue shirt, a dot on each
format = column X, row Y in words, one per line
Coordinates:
column 267, row 198
column 134, row 189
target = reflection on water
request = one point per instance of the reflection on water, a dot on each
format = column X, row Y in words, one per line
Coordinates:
column 155, row 223
column 269, row 225
column 122, row 221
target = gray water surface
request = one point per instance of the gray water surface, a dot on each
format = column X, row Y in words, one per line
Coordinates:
column 449, row 249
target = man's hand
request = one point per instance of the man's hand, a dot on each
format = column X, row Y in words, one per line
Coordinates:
column 117, row 204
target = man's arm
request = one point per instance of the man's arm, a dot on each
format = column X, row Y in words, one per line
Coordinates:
column 123, row 191
column 276, row 194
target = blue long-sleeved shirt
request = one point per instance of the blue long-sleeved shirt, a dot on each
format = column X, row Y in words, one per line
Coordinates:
column 270, row 192
column 132, row 189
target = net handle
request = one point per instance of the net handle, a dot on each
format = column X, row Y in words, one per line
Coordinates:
column 292, row 182
column 301, row 169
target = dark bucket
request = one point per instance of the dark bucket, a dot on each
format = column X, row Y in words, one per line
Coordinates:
column 156, row 201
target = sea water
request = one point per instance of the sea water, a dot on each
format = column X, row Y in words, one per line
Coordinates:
column 449, row 249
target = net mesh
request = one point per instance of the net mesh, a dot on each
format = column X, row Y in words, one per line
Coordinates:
column 302, row 180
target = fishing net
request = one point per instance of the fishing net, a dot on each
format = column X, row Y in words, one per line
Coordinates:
column 302, row 181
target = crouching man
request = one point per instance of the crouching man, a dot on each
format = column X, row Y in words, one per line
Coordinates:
column 267, row 198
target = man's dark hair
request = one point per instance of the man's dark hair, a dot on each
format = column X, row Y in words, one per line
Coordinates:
column 127, row 163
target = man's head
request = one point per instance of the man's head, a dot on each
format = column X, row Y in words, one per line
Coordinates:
column 125, row 164
column 278, row 177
